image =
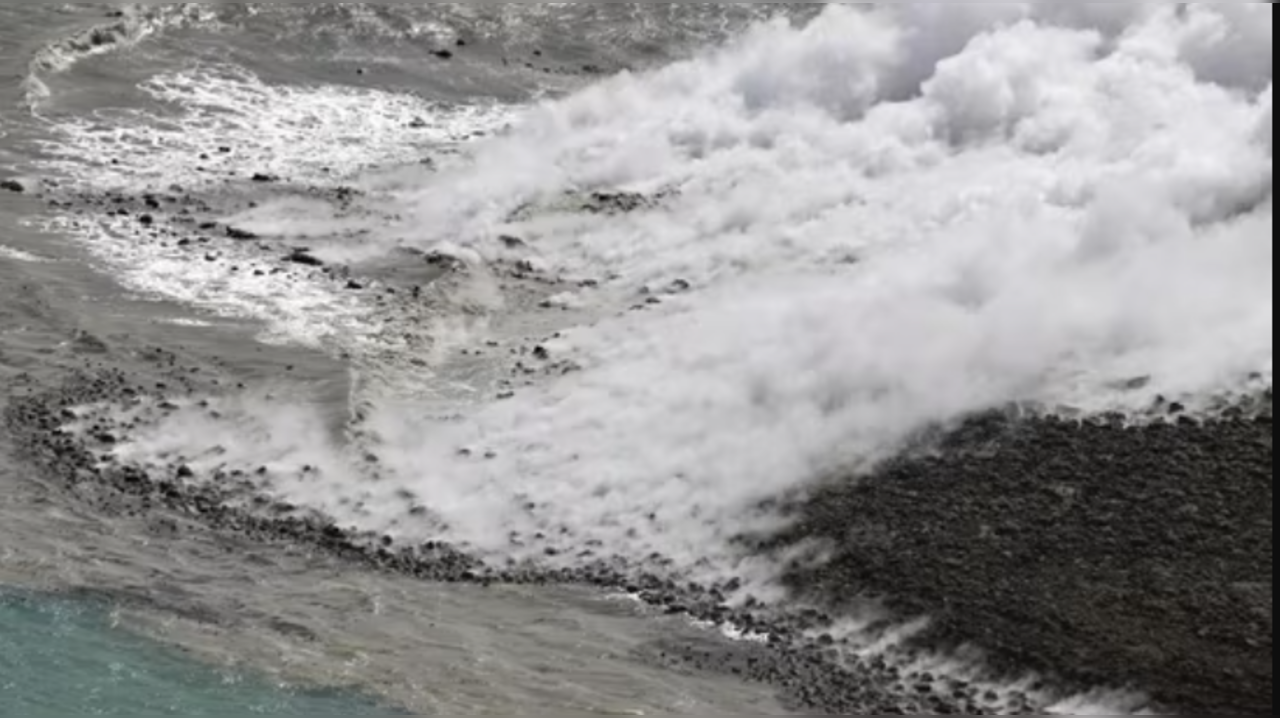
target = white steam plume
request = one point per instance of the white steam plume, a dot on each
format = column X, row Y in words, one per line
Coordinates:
column 891, row 217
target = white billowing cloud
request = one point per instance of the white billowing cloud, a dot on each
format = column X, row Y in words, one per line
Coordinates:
column 890, row 217
column 1230, row 43
column 1043, row 199
column 1265, row 123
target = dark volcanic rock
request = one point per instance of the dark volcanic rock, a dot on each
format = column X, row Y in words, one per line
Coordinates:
column 617, row 202
column 1102, row 554
column 86, row 343
column 241, row 235
column 305, row 258
column 32, row 421
column 12, row 185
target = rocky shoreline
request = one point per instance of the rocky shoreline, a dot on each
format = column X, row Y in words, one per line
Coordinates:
column 1094, row 553
column 34, row 422
column 1099, row 554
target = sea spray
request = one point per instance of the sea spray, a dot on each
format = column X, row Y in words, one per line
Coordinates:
column 1066, row 201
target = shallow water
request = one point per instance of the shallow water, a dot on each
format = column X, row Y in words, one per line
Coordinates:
column 845, row 231
column 63, row 656
column 285, row 615
column 110, row 615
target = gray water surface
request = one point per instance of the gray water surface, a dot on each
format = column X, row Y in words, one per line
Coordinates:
column 113, row 615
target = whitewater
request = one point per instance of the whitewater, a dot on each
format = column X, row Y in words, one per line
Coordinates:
column 884, row 218
column 630, row 319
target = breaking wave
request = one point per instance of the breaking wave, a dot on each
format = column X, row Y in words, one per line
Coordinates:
column 124, row 27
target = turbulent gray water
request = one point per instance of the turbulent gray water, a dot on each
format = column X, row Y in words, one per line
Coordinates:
column 564, row 286
column 295, row 618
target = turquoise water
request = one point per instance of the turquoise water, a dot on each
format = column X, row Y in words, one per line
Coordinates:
column 61, row 657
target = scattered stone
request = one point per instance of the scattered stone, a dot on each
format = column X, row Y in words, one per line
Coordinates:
column 444, row 260
column 86, row 343
column 1114, row 575
column 241, row 235
column 13, row 185
column 305, row 258
column 924, row 512
column 443, row 54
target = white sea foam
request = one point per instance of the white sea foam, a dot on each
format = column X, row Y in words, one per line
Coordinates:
column 294, row 307
column 135, row 25
column 18, row 255
column 1070, row 199
column 889, row 217
column 868, row 638
column 318, row 136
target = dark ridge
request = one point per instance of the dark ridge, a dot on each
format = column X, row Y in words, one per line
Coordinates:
column 1098, row 553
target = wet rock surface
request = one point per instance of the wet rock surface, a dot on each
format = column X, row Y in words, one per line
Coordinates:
column 608, row 203
column 1100, row 554
column 1096, row 553
column 1104, row 554
column 69, row 432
